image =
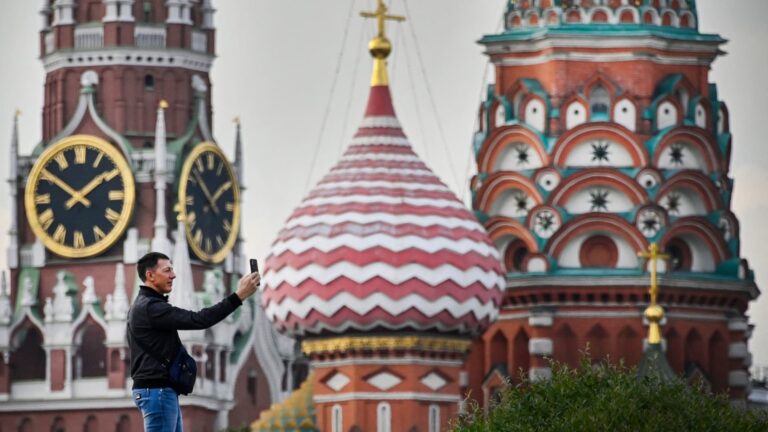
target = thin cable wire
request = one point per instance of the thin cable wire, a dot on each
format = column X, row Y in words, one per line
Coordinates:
column 480, row 97
column 414, row 94
column 431, row 97
column 327, row 112
column 348, row 109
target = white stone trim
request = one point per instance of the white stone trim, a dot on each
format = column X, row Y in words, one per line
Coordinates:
column 738, row 378
column 409, row 360
column 541, row 320
column 540, row 374
column 631, row 44
column 388, row 122
column 599, row 281
column 540, row 346
column 738, row 324
column 738, row 350
column 129, row 56
column 378, row 396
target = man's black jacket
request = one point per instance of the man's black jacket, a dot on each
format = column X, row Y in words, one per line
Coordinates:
column 155, row 323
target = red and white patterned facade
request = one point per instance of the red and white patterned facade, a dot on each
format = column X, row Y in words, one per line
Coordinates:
column 381, row 244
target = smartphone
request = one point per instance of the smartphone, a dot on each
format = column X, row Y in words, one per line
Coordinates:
column 254, row 265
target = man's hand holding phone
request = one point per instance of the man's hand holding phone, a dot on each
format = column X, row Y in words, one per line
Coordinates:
column 249, row 282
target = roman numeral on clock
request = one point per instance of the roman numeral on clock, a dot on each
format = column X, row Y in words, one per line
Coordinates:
column 112, row 216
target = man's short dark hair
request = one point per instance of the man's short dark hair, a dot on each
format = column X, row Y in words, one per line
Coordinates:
column 149, row 262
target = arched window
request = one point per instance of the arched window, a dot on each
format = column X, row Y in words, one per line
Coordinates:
column 26, row 425
column 28, row 359
column 337, row 422
column 124, row 424
column 521, row 358
column 383, row 418
column 599, row 100
column 514, row 256
column 499, row 349
column 91, row 355
column 680, row 256
column 91, row 424
column 434, row 418
column 149, row 82
column 58, row 425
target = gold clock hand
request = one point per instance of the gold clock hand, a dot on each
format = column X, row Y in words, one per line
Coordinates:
column 221, row 190
column 46, row 175
column 206, row 192
column 93, row 184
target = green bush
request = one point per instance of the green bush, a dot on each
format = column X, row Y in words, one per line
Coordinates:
column 609, row 398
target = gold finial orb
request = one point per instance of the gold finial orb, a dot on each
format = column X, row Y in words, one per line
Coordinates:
column 163, row 104
column 380, row 47
column 654, row 313
column 17, row 114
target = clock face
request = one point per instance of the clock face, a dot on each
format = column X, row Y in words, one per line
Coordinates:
column 210, row 203
column 79, row 196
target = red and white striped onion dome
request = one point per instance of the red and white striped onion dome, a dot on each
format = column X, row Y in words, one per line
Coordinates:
column 381, row 244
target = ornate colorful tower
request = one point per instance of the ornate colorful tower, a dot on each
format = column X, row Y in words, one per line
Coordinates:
column 127, row 146
column 385, row 277
column 601, row 135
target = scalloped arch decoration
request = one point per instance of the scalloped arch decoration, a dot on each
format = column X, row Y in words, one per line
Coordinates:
column 496, row 184
column 598, row 177
column 694, row 137
column 698, row 227
column 500, row 138
column 605, row 131
column 607, row 224
column 500, row 227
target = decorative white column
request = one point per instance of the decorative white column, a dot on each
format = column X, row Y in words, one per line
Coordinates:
column 64, row 12
column 45, row 13
column 6, row 311
column 13, row 241
column 160, row 242
column 208, row 12
column 178, row 12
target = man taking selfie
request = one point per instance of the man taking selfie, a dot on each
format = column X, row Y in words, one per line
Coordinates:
column 160, row 366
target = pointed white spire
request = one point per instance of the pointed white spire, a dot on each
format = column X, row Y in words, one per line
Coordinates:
column 63, row 309
column 160, row 242
column 183, row 292
column 89, row 295
column 239, row 154
column 28, row 298
column 13, row 242
column 117, row 303
column 5, row 301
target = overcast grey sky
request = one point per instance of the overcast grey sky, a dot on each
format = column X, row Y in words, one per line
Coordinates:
column 277, row 63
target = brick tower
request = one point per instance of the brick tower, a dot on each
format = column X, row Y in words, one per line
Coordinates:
column 601, row 136
column 126, row 136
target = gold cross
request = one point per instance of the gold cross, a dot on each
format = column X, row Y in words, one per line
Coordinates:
column 653, row 254
column 381, row 16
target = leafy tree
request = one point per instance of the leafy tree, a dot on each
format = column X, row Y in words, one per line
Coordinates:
column 609, row 398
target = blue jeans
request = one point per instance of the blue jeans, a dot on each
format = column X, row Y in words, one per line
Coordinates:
column 160, row 409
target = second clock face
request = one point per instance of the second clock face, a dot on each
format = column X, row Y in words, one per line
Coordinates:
column 79, row 196
column 210, row 203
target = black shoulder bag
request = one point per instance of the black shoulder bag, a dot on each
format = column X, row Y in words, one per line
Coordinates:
column 182, row 371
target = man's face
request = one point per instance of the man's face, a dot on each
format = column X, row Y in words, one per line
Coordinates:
column 161, row 277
